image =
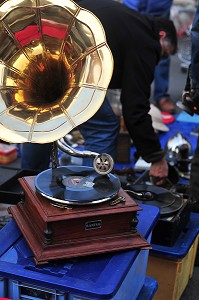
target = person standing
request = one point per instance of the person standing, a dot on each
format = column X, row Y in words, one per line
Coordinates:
column 192, row 98
column 161, row 94
column 135, row 54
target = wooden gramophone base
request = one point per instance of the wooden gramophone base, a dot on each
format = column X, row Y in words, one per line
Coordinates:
column 53, row 233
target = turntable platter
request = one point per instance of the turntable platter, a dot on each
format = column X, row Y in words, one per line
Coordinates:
column 76, row 185
column 167, row 202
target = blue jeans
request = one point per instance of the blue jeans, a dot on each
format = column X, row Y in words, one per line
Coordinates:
column 156, row 8
column 150, row 7
column 161, row 79
column 100, row 134
column 36, row 156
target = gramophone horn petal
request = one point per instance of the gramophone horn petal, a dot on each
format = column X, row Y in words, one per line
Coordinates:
column 55, row 67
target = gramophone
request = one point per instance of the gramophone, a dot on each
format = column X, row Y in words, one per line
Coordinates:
column 55, row 69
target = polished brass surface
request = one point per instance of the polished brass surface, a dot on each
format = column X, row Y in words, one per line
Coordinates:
column 55, row 67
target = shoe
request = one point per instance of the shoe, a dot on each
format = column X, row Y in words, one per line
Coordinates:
column 167, row 118
column 166, row 105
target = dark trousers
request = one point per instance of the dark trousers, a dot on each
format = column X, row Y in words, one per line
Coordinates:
column 194, row 180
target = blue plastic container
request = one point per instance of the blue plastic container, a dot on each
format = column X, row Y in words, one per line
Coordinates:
column 3, row 287
column 185, row 240
column 115, row 276
column 149, row 289
column 21, row 290
column 30, row 292
column 172, row 266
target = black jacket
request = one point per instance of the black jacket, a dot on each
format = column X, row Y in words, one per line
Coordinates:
column 134, row 41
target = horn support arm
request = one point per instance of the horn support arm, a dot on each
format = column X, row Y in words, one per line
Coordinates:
column 61, row 143
column 102, row 163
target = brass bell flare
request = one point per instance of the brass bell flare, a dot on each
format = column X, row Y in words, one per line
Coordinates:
column 55, row 67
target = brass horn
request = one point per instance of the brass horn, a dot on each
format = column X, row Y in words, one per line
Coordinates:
column 55, row 67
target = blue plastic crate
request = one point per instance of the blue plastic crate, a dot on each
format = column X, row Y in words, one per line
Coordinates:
column 22, row 291
column 128, row 290
column 115, row 276
column 181, row 247
column 148, row 290
column 3, row 287
column 173, row 266
column 133, row 281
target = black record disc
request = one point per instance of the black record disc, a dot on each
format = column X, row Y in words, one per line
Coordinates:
column 76, row 185
column 167, row 202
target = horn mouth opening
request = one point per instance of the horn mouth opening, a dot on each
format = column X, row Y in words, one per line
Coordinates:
column 55, row 67
column 47, row 86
